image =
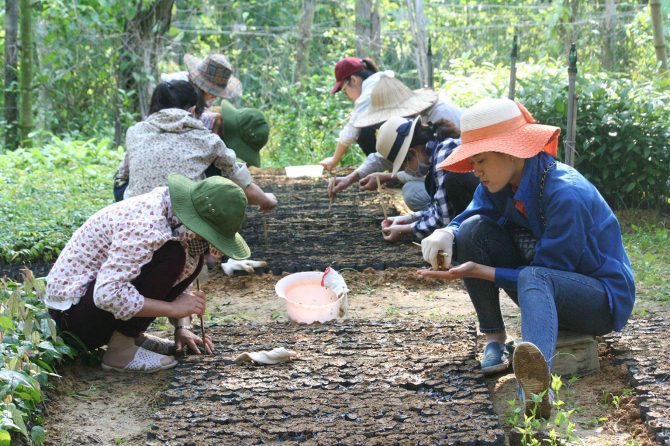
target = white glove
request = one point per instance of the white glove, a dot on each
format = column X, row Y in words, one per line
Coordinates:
column 440, row 240
column 231, row 266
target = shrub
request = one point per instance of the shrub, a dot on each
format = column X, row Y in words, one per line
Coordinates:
column 623, row 128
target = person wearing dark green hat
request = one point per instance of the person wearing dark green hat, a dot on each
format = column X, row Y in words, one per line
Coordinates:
column 245, row 130
column 135, row 260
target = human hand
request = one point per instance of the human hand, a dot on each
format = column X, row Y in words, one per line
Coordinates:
column 188, row 303
column 370, row 181
column 467, row 269
column 183, row 337
column 268, row 203
column 339, row 184
column 393, row 233
column 397, row 220
column 440, row 242
column 329, row 163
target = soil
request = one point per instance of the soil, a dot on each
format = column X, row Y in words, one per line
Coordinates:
column 92, row 407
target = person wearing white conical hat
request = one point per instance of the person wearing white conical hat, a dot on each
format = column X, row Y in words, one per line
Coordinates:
column 539, row 230
column 392, row 98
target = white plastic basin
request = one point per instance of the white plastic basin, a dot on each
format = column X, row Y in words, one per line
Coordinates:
column 309, row 170
column 306, row 300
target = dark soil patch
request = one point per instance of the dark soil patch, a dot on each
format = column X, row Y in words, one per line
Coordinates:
column 306, row 232
column 407, row 382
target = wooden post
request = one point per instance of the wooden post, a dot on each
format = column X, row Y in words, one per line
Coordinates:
column 572, row 108
column 429, row 58
column 659, row 39
column 512, row 71
column 11, row 69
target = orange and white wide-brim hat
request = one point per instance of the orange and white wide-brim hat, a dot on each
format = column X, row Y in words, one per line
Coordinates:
column 500, row 125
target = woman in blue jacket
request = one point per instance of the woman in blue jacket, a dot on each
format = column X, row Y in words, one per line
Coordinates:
column 537, row 229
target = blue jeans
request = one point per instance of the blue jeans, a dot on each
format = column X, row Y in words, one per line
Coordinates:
column 548, row 299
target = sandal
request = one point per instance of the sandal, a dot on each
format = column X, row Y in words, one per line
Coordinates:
column 158, row 345
column 145, row 361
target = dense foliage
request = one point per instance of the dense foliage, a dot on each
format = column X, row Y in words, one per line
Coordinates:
column 47, row 193
column 29, row 350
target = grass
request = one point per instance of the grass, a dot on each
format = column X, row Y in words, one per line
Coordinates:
column 646, row 236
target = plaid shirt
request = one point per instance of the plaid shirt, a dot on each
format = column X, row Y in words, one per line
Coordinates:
column 436, row 215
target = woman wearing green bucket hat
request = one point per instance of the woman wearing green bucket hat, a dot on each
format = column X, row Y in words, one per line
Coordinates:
column 134, row 261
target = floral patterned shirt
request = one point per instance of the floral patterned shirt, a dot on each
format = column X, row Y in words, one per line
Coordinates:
column 111, row 247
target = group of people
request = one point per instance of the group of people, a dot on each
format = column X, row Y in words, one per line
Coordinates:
column 490, row 203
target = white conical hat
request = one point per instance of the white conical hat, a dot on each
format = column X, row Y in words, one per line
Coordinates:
column 391, row 98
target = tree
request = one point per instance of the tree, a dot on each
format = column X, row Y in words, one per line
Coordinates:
column 142, row 49
column 659, row 40
column 304, row 38
column 417, row 21
column 609, row 45
column 11, row 62
column 368, row 28
column 26, row 71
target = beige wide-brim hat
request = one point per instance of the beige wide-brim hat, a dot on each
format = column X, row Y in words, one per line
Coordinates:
column 394, row 138
column 391, row 98
column 214, row 75
column 500, row 125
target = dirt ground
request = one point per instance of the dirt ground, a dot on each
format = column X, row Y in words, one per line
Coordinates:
column 89, row 406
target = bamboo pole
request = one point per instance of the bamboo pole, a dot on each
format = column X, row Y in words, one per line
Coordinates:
column 381, row 197
column 512, row 71
column 659, row 39
column 202, row 320
column 572, row 108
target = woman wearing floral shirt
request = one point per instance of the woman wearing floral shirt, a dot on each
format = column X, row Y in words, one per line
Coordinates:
column 134, row 261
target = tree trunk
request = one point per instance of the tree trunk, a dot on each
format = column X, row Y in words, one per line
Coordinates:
column 659, row 39
column 11, row 61
column 609, row 45
column 368, row 28
column 26, row 71
column 304, row 39
column 143, row 47
column 568, row 29
column 418, row 26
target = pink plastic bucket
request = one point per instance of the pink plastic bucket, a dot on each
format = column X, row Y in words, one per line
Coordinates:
column 306, row 300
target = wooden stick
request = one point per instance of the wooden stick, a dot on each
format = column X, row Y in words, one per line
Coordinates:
column 202, row 321
column 265, row 227
column 381, row 197
column 331, row 197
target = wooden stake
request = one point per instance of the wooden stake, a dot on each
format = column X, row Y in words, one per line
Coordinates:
column 381, row 197
column 331, row 197
column 265, row 227
column 202, row 320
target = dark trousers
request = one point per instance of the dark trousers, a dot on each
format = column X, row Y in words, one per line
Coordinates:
column 367, row 139
column 95, row 326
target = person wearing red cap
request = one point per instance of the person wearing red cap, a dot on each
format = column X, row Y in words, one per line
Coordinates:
column 539, row 230
column 356, row 78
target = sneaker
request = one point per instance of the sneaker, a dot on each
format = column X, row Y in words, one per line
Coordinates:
column 532, row 375
column 495, row 358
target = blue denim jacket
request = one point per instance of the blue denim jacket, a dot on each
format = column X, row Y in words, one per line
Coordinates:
column 580, row 232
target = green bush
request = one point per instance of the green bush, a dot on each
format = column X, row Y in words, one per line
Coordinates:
column 29, row 350
column 623, row 128
column 46, row 193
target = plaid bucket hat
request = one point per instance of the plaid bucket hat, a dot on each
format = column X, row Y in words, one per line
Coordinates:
column 214, row 75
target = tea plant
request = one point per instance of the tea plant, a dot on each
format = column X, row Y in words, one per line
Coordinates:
column 535, row 431
column 30, row 347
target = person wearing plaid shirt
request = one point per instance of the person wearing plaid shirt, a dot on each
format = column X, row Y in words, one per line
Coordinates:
column 418, row 149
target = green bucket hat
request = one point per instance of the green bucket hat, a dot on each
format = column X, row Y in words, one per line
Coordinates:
column 245, row 130
column 212, row 208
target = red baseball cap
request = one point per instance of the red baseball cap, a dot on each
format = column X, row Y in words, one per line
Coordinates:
column 344, row 69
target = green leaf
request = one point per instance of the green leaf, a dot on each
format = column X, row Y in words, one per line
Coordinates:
column 17, row 417
column 5, row 438
column 38, row 434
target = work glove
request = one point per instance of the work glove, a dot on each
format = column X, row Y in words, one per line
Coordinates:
column 440, row 240
column 232, row 265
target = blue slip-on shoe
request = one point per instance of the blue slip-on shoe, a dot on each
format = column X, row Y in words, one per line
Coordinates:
column 533, row 377
column 495, row 358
